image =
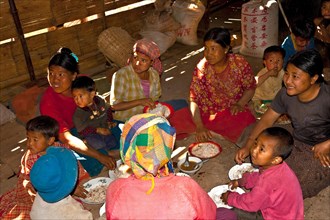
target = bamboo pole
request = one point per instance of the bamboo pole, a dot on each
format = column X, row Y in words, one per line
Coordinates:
column 19, row 29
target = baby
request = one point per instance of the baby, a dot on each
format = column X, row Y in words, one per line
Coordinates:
column 269, row 78
column 275, row 190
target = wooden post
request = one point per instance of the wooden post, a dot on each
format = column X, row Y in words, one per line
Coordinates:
column 19, row 29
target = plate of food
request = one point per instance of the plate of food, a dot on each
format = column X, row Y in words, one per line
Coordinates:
column 97, row 189
column 161, row 109
column 205, row 150
column 237, row 171
column 216, row 192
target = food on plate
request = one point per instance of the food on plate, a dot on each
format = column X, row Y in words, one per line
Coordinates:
column 97, row 194
column 237, row 171
column 217, row 191
column 205, row 150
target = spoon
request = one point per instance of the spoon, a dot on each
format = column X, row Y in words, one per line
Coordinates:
column 199, row 163
column 186, row 162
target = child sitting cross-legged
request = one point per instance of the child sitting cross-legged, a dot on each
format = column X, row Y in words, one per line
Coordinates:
column 41, row 132
column 275, row 190
column 55, row 176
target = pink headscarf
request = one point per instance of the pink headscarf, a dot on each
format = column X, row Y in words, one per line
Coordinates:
column 151, row 49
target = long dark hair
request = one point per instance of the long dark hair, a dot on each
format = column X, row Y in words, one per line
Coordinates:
column 65, row 58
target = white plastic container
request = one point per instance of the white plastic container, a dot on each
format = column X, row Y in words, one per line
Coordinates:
column 259, row 25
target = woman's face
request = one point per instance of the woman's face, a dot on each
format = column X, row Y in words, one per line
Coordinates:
column 60, row 79
column 214, row 52
column 297, row 82
column 141, row 62
column 325, row 10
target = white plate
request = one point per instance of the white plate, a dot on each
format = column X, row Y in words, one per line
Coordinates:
column 237, row 171
column 216, row 192
column 181, row 174
column 92, row 184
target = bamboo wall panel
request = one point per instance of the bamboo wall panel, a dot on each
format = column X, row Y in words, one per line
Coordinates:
column 81, row 38
column 70, row 10
column 7, row 25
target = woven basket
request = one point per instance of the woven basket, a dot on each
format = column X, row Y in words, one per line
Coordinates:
column 116, row 45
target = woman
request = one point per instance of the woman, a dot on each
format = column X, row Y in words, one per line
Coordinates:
column 137, row 84
column 306, row 99
column 223, row 83
column 152, row 192
column 57, row 102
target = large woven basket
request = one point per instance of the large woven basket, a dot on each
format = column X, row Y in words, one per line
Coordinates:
column 116, row 45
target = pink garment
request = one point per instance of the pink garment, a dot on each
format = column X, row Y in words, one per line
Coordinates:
column 59, row 107
column 275, row 192
column 174, row 197
column 146, row 87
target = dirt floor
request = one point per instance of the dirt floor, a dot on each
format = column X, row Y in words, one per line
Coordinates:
column 179, row 61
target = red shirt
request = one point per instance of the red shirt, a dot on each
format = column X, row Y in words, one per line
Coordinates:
column 59, row 107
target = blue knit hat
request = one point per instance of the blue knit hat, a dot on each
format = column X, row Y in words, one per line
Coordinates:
column 54, row 175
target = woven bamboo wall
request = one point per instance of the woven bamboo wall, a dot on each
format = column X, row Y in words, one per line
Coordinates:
column 52, row 14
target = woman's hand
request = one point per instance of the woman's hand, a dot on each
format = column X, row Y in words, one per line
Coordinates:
column 148, row 102
column 107, row 161
column 80, row 191
column 236, row 108
column 202, row 134
column 241, row 154
column 322, row 152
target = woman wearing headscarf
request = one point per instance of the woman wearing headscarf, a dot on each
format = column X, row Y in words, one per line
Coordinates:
column 138, row 84
column 153, row 192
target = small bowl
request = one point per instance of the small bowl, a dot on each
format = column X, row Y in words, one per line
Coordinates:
column 191, row 159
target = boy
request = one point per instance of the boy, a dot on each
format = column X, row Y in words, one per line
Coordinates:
column 54, row 176
column 275, row 190
column 93, row 118
column 300, row 39
column 41, row 132
column 270, row 78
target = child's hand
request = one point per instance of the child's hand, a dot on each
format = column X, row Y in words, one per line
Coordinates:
column 233, row 184
column 103, row 131
column 80, row 191
column 274, row 72
column 224, row 197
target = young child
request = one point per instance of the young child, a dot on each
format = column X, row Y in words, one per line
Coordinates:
column 300, row 39
column 41, row 132
column 54, row 176
column 269, row 79
column 275, row 190
column 93, row 118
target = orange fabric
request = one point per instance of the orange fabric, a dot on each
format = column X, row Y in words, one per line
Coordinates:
column 25, row 105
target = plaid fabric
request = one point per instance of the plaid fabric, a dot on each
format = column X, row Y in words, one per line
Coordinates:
column 126, row 86
column 146, row 145
column 151, row 49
